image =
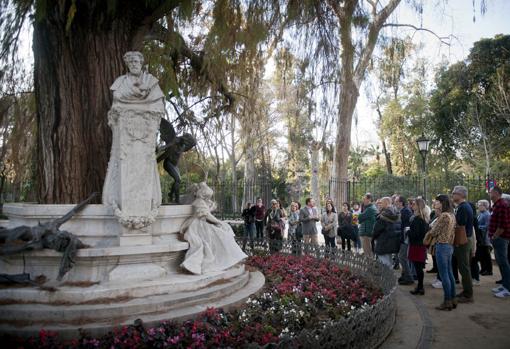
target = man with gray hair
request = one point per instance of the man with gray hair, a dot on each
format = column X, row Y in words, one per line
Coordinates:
column 483, row 245
column 463, row 250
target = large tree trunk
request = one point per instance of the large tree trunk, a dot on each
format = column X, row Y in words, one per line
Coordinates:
column 249, row 174
column 387, row 155
column 316, row 147
column 351, row 77
column 78, row 47
column 348, row 98
column 233, row 163
column 73, row 71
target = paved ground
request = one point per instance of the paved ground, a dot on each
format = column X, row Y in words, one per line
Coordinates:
column 485, row 324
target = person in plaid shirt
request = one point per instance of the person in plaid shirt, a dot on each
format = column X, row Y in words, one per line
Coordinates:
column 499, row 232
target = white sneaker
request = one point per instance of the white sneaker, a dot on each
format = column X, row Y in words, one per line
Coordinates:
column 498, row 289
column 434, row 281
column 476, row 282
column 503, row 294
column 437, row 284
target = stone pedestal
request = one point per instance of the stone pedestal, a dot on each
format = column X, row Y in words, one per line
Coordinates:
column 132, row 186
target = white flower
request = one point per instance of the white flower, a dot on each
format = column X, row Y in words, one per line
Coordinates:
column 284, row 332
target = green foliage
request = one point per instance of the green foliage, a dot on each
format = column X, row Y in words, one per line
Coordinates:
column 41, row 7
column 468, row 116
column 374, row 170
column 186, row 9
column 295, row 107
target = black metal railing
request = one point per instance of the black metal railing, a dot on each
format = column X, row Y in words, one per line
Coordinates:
column 230, row 197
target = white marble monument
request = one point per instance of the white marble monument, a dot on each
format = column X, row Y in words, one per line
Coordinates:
column 133, row 269
column 132, row 186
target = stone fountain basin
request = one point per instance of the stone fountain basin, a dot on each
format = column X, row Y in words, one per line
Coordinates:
column 105, row 260
column 96, row 225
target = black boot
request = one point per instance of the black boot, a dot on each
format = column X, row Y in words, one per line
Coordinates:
column 418, row 291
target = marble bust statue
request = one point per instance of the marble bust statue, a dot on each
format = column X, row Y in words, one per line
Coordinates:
column 132, row 187
column 137, row 88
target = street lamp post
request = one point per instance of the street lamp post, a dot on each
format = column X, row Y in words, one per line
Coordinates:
column 423, row 146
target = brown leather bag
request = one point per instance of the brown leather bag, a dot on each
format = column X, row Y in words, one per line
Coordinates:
column 460, row 236
column 429, row 240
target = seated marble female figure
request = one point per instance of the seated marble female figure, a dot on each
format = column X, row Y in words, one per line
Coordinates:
column 212, row 246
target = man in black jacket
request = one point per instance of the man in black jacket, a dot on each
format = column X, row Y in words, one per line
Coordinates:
column 248, row 215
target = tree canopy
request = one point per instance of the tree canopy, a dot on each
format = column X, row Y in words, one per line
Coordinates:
column 235, row 73
column 470, row 118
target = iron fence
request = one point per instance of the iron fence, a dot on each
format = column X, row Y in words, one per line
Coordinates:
column 412, row 186
column 230, row 196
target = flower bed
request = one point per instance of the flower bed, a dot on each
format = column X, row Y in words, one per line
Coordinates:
column 301, row 294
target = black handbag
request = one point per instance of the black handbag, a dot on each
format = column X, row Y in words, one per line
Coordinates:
column 347, row 232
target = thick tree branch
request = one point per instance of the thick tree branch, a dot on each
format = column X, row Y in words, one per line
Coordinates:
column 148, row 22
column 443, row 39
column 373, row 4
column 196, row 59
column 339, row 12
column 345, row 22
column 373, row 34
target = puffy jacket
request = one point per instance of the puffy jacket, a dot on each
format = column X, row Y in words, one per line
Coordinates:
column 367, row 220
column 387, row 232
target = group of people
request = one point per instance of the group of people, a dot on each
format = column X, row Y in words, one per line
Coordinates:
column 461, row 242
column 301, row 223
column 399, row 233
column 271, row 222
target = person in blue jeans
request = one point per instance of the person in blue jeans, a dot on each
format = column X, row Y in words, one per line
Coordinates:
column 443, row 232
column 499, row 232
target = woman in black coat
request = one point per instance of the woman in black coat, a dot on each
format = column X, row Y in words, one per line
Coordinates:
column 386, row 234
column 417, row 251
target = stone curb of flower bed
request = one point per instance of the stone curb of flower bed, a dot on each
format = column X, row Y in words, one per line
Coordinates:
column 367, row 327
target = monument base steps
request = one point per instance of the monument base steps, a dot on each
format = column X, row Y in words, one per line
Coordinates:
column 226, row 289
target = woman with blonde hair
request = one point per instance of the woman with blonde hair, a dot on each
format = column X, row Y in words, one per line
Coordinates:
column 417, row 253
column 443, row 232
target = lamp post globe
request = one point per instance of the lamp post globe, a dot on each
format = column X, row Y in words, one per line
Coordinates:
column 423, row 144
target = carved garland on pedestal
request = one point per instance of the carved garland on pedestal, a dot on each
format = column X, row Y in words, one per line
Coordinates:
column 135, row 222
